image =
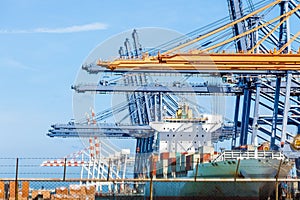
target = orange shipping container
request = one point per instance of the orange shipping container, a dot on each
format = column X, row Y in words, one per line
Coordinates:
column 77, row 190
column 25, row 189
column 164, row 155
column 90, row 190
column 44, row 193
column 62, row 190
column 12, row 193
column 2, row 191
column 206, row 157
column 83, row 190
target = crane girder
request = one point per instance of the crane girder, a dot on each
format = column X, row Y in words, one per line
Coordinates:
column 213, row 61
column 106, row 130
column 181, row 89
column 224, row 90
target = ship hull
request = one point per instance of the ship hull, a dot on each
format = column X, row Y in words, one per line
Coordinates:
column 248, row 168
column 212, row 190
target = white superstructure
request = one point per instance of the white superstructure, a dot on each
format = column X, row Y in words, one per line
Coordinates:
column 185, row 133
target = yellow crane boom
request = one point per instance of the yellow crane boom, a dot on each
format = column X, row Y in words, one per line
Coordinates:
column 213, row 61
column 203, row 59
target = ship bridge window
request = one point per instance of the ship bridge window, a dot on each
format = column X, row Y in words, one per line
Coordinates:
column 202, row 135
column 168, row 135
column 173, row 135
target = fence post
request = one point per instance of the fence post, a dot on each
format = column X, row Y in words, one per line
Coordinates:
column 115, row 190
column 237, row 169
column 16, row 180
column 197, row 167
column 151, row 188
column 276, row 185
column 108, row 170
column 276, row 190
column 65, row 169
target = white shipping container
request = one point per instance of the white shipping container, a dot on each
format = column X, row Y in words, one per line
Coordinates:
column 206, row 149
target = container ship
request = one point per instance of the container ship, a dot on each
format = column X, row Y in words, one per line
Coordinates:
column 186, row 151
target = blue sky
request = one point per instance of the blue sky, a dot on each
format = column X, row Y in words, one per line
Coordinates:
column 44, row 43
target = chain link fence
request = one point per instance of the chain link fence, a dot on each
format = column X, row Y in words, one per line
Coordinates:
column 31, row 178
column 145, row 189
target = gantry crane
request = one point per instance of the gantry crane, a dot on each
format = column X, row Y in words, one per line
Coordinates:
column 97, row 163
column 263, row 73
column 200, row 60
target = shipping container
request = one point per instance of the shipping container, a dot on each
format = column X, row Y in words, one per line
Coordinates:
column 2, row 190
column 164, row 155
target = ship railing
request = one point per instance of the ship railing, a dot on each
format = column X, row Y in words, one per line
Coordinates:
column 249, row 154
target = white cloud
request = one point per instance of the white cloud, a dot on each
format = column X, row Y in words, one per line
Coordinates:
column 69, row 29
